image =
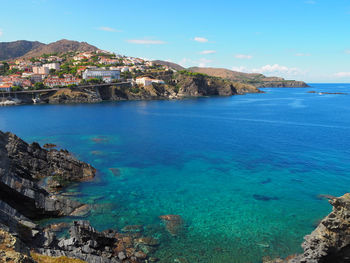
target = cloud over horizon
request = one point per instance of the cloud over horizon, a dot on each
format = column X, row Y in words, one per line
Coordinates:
column 201, row 39
column 243, row 56
column 205, row 52
column 1, row 32
column 108, row 29
column 146, row 42
column 342, row 74
column 302, row 55
column 275, row 70
column 187, row 62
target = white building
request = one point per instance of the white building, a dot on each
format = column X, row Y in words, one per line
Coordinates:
column 41, row 70
column 54, row 66
column 105, row 75
column 146, row 81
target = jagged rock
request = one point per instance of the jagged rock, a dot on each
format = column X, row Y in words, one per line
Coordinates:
column 22, row 200
column 173, row 223
column 49, row 145
column 67, row 95
column 330, row 241
column 22, row 165
column 12, row 249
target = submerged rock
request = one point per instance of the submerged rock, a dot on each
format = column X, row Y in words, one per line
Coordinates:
column 173, row 223
column 57, row 227
column 115, row 171
column 49, row 145
column 100, row 139
column 132, row 229
column 264, row 197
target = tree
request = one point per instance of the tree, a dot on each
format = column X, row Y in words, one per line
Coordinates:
column 52, row 71
column 16, row 88
column 93, row 81
column 39, row 85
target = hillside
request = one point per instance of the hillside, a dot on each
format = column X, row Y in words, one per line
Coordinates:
column 169, row 64
column 27, row 49
column 258, row 80
column 60, row 46
column 10, row 50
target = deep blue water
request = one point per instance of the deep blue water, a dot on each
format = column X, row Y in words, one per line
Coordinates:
column 244, row 172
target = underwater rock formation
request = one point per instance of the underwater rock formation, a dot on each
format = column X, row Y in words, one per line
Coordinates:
column 173, row 224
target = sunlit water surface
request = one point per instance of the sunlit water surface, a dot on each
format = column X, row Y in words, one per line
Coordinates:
column 244, row 172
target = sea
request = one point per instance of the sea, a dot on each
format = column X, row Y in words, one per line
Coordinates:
column 246, row 173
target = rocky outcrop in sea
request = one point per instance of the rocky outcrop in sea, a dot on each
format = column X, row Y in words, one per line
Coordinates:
column 177, row 86
column 24, row 199
column 330, row 241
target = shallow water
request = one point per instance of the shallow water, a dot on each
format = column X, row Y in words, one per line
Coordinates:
column 244, row 172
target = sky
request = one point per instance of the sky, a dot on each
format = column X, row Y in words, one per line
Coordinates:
column 296, row 39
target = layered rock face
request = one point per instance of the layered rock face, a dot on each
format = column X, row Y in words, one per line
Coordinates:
column 177, row 86
column 330, row 241
column 22, row 165
column 201, row 85
column 22, row 200
column 281, row 84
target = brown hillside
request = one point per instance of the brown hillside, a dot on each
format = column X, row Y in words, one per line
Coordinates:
column 61, row 46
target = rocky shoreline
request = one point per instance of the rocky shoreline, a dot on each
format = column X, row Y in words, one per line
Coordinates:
column 330, row 241
column 23, row 200
column 177, row 86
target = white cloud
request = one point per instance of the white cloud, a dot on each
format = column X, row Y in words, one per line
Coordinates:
column 243, row 56
column 272, row 70
column 201, row 39
column 302, row 55
column 204, row 62
column 205, row 52
column 187, row 62
column 145, row 42
column 108, row 29
column 277, row 69
column 342, row 74
column 1, row 32
column 240, row 69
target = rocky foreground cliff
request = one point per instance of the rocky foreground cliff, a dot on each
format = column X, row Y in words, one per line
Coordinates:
column 177, row 86
column 330, row 241
column 24, row 198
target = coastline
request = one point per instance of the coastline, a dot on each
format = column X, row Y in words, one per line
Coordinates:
column 327, row 242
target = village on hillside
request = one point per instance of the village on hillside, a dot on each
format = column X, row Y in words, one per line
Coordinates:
column 72, row 69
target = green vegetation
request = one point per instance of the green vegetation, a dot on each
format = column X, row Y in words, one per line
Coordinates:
column 37, row 86
column 49, row 55
column 93, row 81
column 135, row 89
column 189, row 73
column 126, row 75
column 16, row 88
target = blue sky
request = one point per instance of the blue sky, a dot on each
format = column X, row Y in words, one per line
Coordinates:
column 296, row 39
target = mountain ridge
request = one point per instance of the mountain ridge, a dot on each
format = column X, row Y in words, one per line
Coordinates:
column 15, row 49
column 27, row 49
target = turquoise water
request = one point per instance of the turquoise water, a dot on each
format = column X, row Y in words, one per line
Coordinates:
column 244, row 172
